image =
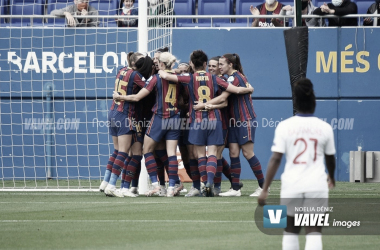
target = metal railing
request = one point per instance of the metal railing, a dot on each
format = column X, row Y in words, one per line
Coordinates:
column 195, row 19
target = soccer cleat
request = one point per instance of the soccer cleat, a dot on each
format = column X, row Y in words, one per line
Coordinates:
column 113, row 192
column 103, row 186
column 128, row 193
column 258, row 192
column 217, row 191
column 231, row 192
column 209, row 190
column 170, row 192
column 134, row 190
column 154, row 190
column 163, row 191
column 193, row 193
column 178, row 188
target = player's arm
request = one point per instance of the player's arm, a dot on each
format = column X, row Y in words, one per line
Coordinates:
column 165, row 75
column 273, row 165
column 215, row 101
column 234, row 89
column 330, row 164
column 131, row 98
column 183, row 79
column 216, row 106
column 240, row 90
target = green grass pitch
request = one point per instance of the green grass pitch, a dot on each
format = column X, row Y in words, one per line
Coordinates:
column 56, row 220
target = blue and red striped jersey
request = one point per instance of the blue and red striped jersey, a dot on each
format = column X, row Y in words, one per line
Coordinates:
column 127, row 82
column 166, row 96
column 203, row 87
column 241, row 106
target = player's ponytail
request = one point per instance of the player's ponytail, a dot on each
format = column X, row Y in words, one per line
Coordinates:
column 145, row 66
column 239, row 67
column 304, row 97
column 235, row 60
column 168, row 59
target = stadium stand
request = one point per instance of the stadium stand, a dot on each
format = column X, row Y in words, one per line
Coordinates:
column 57, row 4
column 3, row 11
column 106, row 7
column 214, row 7
column 27, row 7
column 184, row 7
column 363, row 6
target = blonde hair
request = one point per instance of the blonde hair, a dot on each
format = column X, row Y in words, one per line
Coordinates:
column 168, row 59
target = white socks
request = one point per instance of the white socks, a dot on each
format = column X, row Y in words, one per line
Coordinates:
column 290, row 241
column 313, row 241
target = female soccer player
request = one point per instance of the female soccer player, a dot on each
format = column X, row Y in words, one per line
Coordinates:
column 206, row 127
column 307, row 141
column 122, row 128
column 132, row 168
column 242, row 125
column 157, row 57
column 164, row 123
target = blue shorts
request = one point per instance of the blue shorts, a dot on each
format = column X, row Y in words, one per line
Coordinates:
column 206, row 133
column 242, row 132
column 184, row 138
column 120, row 124
column 164, row 128
column 225, row 137
column 141, row 128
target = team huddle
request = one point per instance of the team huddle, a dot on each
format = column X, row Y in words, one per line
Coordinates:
column 218, row 110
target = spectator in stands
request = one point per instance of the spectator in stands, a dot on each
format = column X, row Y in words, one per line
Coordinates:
column 307, row 9
column 373, row 9
column 270, row 7
column 339, row 8
column 73, row 13
column 127, row 9
column 163, row 8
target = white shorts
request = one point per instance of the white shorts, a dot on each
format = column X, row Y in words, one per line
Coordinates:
column 308, row 202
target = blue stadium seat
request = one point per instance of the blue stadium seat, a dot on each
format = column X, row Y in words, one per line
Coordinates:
column 214, row 7
column 3, row 11
column 27, row 7
column 242, row 8
column 106, row 7
column 54, row 5
column 184, row 7
column 363, row 6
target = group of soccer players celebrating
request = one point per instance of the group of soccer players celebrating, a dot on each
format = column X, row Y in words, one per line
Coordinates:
column 218, row 111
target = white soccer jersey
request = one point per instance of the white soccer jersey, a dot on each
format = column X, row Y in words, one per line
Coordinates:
column 304, row 140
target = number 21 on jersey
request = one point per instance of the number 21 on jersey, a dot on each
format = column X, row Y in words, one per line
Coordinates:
column 305, row 143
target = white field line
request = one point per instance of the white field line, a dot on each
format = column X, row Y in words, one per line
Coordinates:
column 126, row 202
column 123, row 221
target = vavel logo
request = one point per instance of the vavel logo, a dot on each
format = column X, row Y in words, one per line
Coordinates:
column 274, row 216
